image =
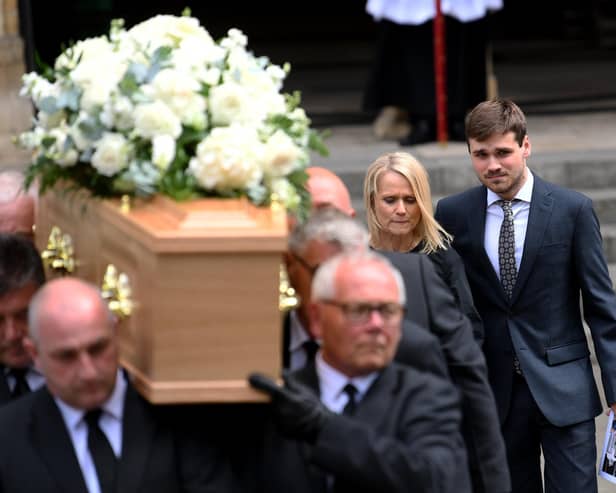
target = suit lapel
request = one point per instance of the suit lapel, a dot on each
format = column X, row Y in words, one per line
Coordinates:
column 538, row 218
column 138, row 431
column 50, row 437
column 373, row 408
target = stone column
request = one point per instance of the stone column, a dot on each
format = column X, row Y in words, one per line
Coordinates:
column 15, row 112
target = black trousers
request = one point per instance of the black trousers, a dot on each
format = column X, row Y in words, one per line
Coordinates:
column 569, row 452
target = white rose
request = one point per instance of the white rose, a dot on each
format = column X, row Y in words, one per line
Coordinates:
column 156, row 118
column 163, row 151
column 168, row 30
column 180, row 92
column 228, row 158
column 281, row 155
column 229, row 103
column 112, row 154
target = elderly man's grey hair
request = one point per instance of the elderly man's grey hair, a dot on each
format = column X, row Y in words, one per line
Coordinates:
column 331, row 226
column 324, row 281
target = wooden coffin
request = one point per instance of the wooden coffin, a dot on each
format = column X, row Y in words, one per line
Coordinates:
column 205, row 282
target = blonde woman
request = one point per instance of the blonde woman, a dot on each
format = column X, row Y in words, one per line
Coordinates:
column 400, row 218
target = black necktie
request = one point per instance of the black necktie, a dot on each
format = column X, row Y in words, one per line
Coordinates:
column 311, row 347
column 21, row 386
column 102, row 454
column 506, row 249
column 351, row 405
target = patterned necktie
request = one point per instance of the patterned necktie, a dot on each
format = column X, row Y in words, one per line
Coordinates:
column 102, row 454
column 21, row 386
column 351, row 405
column 506, row 249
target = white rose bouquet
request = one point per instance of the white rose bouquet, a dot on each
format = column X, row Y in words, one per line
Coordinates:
column 163, row 108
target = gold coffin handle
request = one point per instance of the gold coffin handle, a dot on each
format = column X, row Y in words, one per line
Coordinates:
column 288, row 299
column 117, row 291
column 59, row 256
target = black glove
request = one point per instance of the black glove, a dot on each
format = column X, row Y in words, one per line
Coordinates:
column 298, row 413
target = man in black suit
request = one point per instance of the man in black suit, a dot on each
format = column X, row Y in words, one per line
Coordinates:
column 433, row 327
column 88, row 430
column 354, row 420
column 21, row 274
column 530, row 250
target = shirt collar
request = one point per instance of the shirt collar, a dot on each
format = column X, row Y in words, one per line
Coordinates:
column 332, row 382
column 524, row 194
column 113, row 406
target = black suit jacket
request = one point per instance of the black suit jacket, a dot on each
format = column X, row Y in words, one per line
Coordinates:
column 430, row 304
column 5, row 393
column 37, row 454
column 563, row 258
column 403, row 437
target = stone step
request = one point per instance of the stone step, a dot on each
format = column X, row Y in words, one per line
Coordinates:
column 452, row 174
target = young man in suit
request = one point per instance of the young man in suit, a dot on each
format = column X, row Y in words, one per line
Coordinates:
column 354, row 420
column 21, row 275
column 530, row 250
column 88, row 431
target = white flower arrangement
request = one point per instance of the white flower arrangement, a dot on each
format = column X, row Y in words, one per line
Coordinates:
column 163, row 108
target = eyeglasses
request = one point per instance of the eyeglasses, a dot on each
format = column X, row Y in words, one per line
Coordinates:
column 310, row 268
column 359, row 313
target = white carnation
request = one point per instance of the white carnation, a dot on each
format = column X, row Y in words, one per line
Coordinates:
column 156, row 118
column 112, row 154
column 228, row 158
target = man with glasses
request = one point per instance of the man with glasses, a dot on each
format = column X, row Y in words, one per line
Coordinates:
column 326, row 233
column 16, row 206
column 354, row 420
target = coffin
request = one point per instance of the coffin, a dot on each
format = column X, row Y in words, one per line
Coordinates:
column 205, row 282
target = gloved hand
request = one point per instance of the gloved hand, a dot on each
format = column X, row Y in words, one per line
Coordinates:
column 298, row 413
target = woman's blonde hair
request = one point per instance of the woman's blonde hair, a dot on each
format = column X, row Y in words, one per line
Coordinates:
column 429, row 231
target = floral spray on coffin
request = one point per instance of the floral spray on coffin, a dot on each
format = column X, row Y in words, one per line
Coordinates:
column 160, row 110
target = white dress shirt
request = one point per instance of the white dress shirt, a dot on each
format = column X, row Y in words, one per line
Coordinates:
column 332, row 383
column 110, row 423
column 33, row 377
column 416, row 12
column 494, row 219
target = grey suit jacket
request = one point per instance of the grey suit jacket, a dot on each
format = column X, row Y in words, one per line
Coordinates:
column 37, row 454
column 562, row 259
column 403, row 437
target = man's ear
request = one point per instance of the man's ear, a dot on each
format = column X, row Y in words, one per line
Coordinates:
column 316, row 326
column 526, row 147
